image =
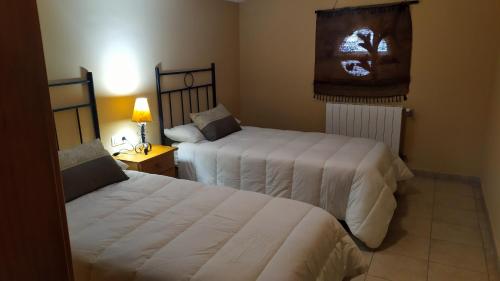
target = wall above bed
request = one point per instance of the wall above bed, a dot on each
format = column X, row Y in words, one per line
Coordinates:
column 450, row 83
column 121, row 41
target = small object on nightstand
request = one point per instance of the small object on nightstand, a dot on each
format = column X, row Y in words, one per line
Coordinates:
column 160, row 161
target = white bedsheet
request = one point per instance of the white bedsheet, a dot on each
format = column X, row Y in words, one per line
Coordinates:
column 155, row 228
column 352, row 178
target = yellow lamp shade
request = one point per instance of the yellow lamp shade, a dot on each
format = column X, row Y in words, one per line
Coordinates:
column 141, row 111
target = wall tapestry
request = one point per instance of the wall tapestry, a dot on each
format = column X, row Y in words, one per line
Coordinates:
column 363, row 54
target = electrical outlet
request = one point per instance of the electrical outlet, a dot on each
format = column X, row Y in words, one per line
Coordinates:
column 118, row 140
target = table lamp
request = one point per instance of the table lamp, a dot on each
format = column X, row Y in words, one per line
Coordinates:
column 141, row 116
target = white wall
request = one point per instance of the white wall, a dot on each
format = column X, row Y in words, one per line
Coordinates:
column 121, row 41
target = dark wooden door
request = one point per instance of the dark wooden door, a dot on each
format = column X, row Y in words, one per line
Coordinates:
column 34, row 241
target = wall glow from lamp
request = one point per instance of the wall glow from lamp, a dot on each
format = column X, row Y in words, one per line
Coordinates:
column 120, row 72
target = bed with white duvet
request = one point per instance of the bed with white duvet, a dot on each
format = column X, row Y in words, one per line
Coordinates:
column 352, row 178
column 156, row 228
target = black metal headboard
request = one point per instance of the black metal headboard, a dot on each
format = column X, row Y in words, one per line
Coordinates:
column 88, row 80
column 190, row 90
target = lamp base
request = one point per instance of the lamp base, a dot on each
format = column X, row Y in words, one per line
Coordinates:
column 143, row 147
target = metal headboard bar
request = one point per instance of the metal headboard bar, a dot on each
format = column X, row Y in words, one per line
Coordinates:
column 72, row 107
column 186, row 89
column 183, row 71
column 190, row 89
column 89, row 81
column 67, row 82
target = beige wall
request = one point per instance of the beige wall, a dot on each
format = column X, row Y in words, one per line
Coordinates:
column 121, row 41
column 273, row 42
column 491, row 172
column 451, row 75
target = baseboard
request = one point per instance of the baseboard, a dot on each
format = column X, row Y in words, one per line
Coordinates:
column 475, row 181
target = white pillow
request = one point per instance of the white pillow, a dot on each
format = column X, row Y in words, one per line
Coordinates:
column 185, row 133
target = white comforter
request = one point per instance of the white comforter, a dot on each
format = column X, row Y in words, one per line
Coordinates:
column 155, row 228
column 352, row 178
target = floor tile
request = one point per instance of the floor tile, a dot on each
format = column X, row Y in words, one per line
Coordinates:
column 454, row 187
column 486, row 235
column 420, row 189
column 418, row 209
column 367, row 256
column 493, row 271
column 481, row 205
column 406, row 245
column 486, row 232
column 459, row 255
column 491, row 263
column 359, row 278
column 440, row 232
column 457, row 233
column 455, row 201
column 417, row 226
column 494, row 277
column 488, row 243
column 454, row 216
column 491, row 258
column 439, row 272
column 478, row 193
column 398, row 268
column 421, row 182
column 482, row 215
column 373, row 278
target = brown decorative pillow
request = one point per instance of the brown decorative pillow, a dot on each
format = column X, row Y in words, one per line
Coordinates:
column 216, row 123
column 87, row 168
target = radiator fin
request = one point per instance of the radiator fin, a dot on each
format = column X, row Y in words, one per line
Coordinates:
column 381, row 123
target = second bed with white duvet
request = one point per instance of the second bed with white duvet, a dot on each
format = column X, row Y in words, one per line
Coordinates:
column 352, row 178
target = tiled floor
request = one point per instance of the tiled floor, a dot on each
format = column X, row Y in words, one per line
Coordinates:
column 439, row 233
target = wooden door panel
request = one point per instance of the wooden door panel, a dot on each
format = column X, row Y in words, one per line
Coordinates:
column 34, row 242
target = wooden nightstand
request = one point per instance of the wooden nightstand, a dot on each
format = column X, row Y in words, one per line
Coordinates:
column 159, row 161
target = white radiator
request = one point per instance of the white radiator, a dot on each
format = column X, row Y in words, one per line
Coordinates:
column 382, row 123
